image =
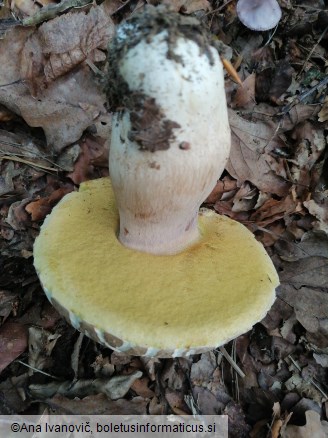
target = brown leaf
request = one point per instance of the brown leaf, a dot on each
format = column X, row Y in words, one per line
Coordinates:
column 42, row 207
column 64, row 110
column 98, row 405
column 115, row 387
column 298, row 114
column 320, row 212
column 245, row 95
column 313, row 243
column 186, row 6
column 191, row 6
column 8, row 303
column 102, row 366
column 206, row 401
column 304, row 282
column 323, row 114
column 27, row 8
column 281, row 80
column 273, row 210
column 313, row 428
column 310, row 305
column 156, row 407
column 226, row 185
column 309, row 271
column 13, row 342
column 176, row 401
column 5, row 114
column 140, row 386
column 93, row 151
column 203, row 369
column 17, row 216
column 245, row 198
column 248, row 157
column 41, row 343
column 62, row 43
column 236, row 420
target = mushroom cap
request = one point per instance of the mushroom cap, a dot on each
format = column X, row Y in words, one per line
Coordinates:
column 259, row 14
column 146, row 304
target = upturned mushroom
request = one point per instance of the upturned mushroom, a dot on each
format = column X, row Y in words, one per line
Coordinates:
column 133, row 264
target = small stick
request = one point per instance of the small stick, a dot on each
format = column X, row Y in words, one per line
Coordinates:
column 310, row 380
column 231, row 71
column 37, row 370
column 29, row 163
column 52, row 11
column 313, row 49
column 232, row 362
column 302, row 97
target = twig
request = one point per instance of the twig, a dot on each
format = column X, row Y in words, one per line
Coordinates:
column 310, row 380
column 272, row 35
column 232, row 362
column 37, row 370
column 29, row 163
column 52, row 11
column 308, row 7
column 302, row 97
column 313, row 49
column 12, row 83
column 234, row 356
column 218, row 9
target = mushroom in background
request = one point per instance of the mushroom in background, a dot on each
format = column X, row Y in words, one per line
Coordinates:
column 259, row 14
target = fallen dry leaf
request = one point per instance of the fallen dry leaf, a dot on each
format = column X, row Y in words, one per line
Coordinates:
column 320, row 212
column 42, row 207
column 8, row 304
column 323, row 114
column 303, row 271
column 245, row 199
column 93, row 153
column 176, row 401
column 40, row 343
column 140, row 386
column 203, row 369
column 314, row 428
column 115, row 387
column 102, row 367
column 59, row 45
column 186, row 6
column 98, row 405
column 68, row 105
column 245, row 95
column 226, row 185
column 236, row 420
column 273, row 210
column 248, row 157
column 17, row 216
column 13, row 342
column 26, row 8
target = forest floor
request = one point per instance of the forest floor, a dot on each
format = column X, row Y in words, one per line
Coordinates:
column 53, row 125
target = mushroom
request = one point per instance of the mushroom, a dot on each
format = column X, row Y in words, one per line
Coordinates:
column 259, row 14
column 132, row 263
column 165, row 153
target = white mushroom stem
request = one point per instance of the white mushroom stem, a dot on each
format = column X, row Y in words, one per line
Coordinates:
column 165, row 168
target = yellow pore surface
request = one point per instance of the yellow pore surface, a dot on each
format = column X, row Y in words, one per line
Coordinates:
column 204, row 296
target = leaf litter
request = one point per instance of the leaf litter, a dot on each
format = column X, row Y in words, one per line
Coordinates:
column 53, row 129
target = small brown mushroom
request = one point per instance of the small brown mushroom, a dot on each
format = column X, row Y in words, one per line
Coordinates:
column 259, row 14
